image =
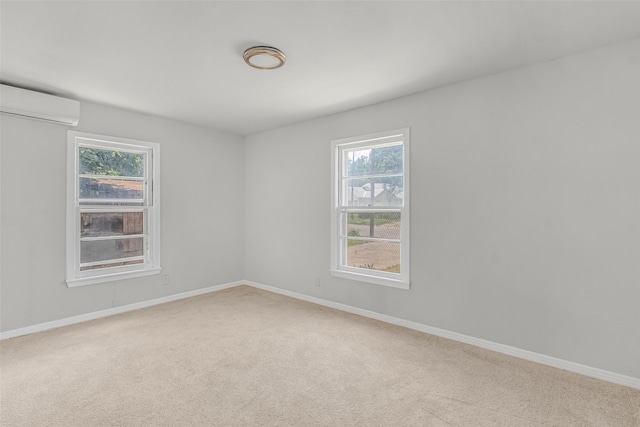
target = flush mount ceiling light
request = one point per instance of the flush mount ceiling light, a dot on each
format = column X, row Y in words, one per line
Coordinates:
column 264, row 57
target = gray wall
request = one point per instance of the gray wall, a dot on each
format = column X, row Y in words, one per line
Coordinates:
column 525, row 208
column 202, row 182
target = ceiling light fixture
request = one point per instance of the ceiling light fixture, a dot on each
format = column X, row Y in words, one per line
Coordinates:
column 264, row 57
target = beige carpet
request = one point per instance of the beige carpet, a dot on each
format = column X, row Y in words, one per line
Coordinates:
column 246, row 357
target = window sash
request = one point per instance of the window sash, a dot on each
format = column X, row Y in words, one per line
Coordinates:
column 343, row 238
column 112, row 237
column 343, row 224
column 112, row 261
column 148, row 152
column 373, row 176
column 343, row 177
column 115, row 210
column 127, row 178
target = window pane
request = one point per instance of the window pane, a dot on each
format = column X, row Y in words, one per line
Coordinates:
column 110, row 162
column 387, row 191
column 109, row 188
column 110, row 224
column 383, row 225
column 374, row 161
column 387, row 159
column 104, row 250
column 111, row 264
column 358, row 162
column 373, row 255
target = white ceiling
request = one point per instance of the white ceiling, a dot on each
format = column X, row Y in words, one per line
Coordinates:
column 183, row 60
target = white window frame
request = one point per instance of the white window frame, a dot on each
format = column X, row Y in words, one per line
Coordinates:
column 397, row 280
column 150, row 204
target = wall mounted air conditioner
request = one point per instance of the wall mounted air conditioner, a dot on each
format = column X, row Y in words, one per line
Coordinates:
column 39, row 106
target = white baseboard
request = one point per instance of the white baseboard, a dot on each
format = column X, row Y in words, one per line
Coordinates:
column 111, row 311
column 554, row 362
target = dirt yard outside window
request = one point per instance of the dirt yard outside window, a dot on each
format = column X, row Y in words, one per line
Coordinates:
column 383, row 256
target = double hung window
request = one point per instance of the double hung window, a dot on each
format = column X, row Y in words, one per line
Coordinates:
column 113, row 221
column 370, row 218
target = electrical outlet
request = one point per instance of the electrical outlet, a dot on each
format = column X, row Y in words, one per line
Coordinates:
column 165, row 279
column 317, row 281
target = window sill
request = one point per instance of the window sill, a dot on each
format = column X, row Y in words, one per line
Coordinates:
column 376, row 280
column 92, row 280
